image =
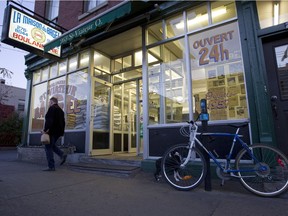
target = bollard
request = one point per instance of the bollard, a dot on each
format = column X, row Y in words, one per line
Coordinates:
column 204, row 118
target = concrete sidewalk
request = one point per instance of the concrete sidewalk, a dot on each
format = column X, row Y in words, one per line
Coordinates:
column 26, row 190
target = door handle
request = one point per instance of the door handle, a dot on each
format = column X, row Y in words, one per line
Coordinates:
column 274, row 98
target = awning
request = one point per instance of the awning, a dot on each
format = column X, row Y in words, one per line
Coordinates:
column 89, row 26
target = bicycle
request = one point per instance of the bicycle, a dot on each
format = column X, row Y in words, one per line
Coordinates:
column 262, row 169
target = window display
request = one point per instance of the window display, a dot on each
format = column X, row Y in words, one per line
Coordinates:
column 39, row 104
column 76, row 100
column 217, row 73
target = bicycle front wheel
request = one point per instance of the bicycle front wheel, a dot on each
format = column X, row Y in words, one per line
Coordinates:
column 183, row 176
column 263, row 170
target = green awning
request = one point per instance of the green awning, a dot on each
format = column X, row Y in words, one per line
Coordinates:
column 90, row 26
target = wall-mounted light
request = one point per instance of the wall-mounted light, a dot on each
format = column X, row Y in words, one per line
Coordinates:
column 276, row 7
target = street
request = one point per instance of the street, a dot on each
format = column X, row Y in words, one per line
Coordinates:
column 26, row 190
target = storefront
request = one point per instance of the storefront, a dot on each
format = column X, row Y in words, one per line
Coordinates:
column 131, row 92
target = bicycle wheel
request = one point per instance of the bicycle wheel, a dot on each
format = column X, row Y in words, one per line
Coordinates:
column 265, row 175
column 183, row 177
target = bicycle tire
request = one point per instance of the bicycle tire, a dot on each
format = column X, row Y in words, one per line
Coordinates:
column 187, row 177
column 271, row 182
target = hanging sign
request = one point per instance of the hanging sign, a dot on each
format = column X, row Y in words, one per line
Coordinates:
column 25, row 32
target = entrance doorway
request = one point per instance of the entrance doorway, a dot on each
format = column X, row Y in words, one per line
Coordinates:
column 126, row 117
column 100, row 117
column 276, row 58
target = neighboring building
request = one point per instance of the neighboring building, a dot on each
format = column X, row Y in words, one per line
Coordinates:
column 132, row 72
column 11, row 99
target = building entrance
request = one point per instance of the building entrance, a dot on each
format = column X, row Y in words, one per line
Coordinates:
column 126, row 113
column 100, row 117
column 276, row 58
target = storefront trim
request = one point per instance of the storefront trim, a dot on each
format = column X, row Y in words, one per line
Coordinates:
column 90, row 26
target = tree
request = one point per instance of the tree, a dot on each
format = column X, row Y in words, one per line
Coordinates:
column 5, row 72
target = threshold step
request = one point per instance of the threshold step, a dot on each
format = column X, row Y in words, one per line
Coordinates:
column 105, row 168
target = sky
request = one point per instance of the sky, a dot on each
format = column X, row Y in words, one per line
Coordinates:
column 13, row 58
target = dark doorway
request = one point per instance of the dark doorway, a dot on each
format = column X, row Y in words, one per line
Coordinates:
column 276, row 60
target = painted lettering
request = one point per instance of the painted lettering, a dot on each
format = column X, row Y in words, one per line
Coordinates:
column 16, row 17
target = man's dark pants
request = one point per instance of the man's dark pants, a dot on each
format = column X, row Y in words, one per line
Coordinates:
column 50, row 148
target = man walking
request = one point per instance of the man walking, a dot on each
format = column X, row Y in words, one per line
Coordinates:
column 54, row 126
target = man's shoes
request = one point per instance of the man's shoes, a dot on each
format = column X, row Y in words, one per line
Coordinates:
column 64, row 157
column 49, row 169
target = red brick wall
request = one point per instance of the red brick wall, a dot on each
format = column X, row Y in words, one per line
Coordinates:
column 6, row 110
column 71, row 10
column 39, row 8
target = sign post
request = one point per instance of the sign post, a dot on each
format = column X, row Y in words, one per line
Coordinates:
column 204, row 118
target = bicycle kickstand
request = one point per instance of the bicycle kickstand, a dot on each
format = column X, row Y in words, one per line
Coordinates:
column 222, row 182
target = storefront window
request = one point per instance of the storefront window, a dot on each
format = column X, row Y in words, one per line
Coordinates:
column 56, row 88
column 102, row 62
column 171, row 26
column 168, row 101
column 76, row 100
column 217, row 73
column 62, row 67
column 127, row 61
column 36, row 77
column 72, row 63
column 138, row 58
column 45, row 73
column 197, row 18
column 102, row 75
column 53, row 71
column 272, row 13
column 84, row 59
column 155, row 33
column 222, row 10
column 117, row 65
column 39, row 100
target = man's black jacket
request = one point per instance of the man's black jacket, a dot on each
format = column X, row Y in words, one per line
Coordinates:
column 55, row 121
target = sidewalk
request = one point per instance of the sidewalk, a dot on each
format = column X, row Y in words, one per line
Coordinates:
column 26, row 190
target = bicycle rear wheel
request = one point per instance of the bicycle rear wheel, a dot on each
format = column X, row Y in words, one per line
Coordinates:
column 265, row 175
column 179, row 176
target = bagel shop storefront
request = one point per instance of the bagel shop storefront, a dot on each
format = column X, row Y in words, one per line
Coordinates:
column 130, row 89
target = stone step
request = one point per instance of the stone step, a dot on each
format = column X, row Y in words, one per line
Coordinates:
column 115, row 169
column 110, row 160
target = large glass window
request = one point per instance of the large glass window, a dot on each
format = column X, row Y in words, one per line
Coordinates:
column 272, row 13
column 62, row 67
column 53, row 70
column 217, row 72
column 38, row 107
column 76, row 100
column 101, row 62
column 56, row 88
column 171, row 29
column 222, row 10
column 168, row 100
column 37, row 77
column 197, row 18
column 45, row 73
column 84, row 59
column 73, row 63
column 155, row 32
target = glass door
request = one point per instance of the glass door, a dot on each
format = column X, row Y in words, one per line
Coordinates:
column 125, row 117
column 100, row 117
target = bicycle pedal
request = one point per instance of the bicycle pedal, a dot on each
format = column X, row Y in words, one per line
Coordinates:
column 187, row 177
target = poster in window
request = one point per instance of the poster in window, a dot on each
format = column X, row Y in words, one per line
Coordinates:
column 211, row 74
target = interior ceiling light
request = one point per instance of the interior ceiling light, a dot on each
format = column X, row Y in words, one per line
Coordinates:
column 276, row 13
column 201, row 18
